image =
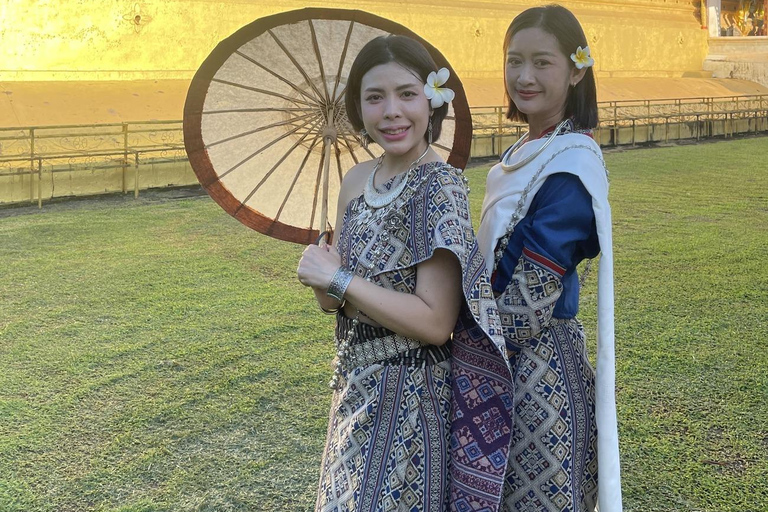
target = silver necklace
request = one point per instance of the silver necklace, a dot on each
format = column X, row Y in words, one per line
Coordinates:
column 507, row 167
column 374, row 198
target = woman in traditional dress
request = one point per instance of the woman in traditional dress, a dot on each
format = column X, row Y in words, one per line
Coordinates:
column 398, row 277
column 545, row 210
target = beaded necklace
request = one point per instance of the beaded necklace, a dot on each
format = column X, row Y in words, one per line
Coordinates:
column 513, row 167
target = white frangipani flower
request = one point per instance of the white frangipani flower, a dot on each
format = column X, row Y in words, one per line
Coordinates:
column 438, row 96
column 581, row 58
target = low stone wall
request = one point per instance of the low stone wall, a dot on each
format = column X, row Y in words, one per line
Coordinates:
column 738, row 57
column 679, row 131
column 17, row 185
column 111, row 159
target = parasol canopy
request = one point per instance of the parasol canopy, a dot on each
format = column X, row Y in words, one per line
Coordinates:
column 265, row 126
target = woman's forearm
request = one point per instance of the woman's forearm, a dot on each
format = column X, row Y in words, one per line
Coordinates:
column 404, row 313
column 428, row 315
column 324, row 301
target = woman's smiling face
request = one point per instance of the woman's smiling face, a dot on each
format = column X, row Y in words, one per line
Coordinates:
column 538, row 76
column 394, row 109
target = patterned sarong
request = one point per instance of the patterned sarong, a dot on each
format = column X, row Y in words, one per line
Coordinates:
column 388, row 435
column 553, row 461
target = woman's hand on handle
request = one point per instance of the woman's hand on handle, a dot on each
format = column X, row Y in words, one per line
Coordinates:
column 317, row 265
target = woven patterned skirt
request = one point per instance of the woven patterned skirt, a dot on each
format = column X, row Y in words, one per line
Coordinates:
column 387, row 443
column 553, row 463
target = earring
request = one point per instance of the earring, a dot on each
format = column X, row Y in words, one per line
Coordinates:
column 429, row 131
column 364, row 138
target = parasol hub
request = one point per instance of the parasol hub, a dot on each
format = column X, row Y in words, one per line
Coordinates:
column 330, row 133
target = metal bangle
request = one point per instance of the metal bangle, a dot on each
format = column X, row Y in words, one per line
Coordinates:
column 335, row 310
column 339, row 283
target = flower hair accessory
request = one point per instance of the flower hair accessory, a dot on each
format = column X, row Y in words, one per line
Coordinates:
column 582, row 58
column 438, row 96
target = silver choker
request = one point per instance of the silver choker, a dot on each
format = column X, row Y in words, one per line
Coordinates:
column 507, row 167
column 374, row 198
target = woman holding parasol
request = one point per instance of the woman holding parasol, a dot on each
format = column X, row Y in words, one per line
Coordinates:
column 394, row 280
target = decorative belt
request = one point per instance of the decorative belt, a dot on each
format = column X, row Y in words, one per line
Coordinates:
column 380, row 345
column 379, row 349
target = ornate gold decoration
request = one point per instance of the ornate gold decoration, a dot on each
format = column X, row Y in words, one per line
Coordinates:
column 137, row 19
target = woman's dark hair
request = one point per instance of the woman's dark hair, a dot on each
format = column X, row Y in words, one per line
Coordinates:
column 581, row 103
column 382, row 50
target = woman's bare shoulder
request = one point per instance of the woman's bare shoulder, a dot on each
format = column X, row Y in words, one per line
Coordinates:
column 354, row 180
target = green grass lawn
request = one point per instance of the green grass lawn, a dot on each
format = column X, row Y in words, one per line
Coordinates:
column 156, row 355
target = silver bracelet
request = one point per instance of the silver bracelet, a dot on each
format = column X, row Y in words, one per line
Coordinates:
column 339, row 283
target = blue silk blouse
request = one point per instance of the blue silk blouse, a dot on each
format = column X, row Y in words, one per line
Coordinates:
column 559, row 225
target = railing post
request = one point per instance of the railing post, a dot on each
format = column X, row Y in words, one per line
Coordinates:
column 756, row 116
column 725, row 117
column 697, row 127
column 31, row 165
column 125, row 157
column 136, row 181
column 40, row 183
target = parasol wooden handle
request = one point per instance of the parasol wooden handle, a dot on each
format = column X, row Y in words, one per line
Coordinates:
column 329, row 138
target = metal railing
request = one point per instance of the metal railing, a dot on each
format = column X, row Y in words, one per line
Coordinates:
column 632, row 122
column 37, row 150
column 34, row 150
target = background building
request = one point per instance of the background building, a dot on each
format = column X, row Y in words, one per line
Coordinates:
column 92, row 91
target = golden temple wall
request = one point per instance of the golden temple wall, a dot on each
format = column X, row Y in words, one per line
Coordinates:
column 168, row 39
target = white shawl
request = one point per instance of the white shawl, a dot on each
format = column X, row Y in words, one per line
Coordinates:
column 579, row 155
